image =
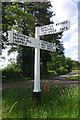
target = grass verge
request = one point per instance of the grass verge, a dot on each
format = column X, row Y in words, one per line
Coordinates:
column 74, row 77
column 57, row 103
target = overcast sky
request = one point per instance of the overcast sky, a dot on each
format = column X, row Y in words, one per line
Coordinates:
column 65, row 10
column 68, row 10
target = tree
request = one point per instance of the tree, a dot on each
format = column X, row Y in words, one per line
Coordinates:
column 22, row 17
column 57, row 64
column 17, row 18
column 68, row 64
column 44, row 19
column 76, row 64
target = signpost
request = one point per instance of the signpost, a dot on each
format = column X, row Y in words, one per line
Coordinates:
column 47, row 46
column 37, row 64
column 54, row 28
column 20, row 39
column 16, row 38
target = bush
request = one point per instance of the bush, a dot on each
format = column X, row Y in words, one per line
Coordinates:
column 62, row 70
column 74, row 77
column 12, row 71
column 52, row 73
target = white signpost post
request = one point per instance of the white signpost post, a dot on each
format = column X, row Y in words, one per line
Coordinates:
column 16, row 38
column 45, row 30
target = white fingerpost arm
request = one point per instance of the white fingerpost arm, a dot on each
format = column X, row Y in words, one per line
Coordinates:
column 37, row 61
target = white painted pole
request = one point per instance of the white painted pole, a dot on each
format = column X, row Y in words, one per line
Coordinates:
column 37, row 62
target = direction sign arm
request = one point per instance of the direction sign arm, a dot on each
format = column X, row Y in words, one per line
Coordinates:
column 10, row 36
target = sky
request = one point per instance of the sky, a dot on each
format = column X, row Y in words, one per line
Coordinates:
column 65, row 10
column 68, row 10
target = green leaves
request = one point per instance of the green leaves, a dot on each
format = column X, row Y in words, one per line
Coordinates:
column 17, row 17
column 22, row 17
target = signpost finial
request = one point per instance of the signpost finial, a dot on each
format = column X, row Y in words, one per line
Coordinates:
column 37, row 25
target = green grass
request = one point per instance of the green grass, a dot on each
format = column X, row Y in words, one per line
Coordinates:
column 74, row 77
column 57, row 103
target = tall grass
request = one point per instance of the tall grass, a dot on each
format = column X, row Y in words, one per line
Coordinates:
column 57, row 103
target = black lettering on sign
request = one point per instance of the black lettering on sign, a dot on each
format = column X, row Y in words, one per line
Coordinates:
column 66, row 28
column 21, row 39
column 14, row 38
column 49, row 46
column 25, row 40
column 44, row 32
column 43, row 44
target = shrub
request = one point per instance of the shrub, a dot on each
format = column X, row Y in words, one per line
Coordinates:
column 74, row 77
column 52, row 73
column 12, row 71
column 62, row 70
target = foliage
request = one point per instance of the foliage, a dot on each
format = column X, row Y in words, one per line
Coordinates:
column 26, row 61
column 57, row 103
column 61, row 64
column 76, row 64
column 62, row 70
column 74, row 77
column 68, row 64
column 57, row 63
column 12, row 71
column 22, row 18
column 52, row 73
column 15, row 18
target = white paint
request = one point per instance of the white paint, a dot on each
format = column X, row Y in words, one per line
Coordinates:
column 47, row 46
column 20, row 39
column 54, row 28
column 37, row 63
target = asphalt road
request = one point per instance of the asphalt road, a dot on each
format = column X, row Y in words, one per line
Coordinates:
column 30, row 83
column 59, row 80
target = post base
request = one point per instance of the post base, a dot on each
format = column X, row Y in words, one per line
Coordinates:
column 37, row 96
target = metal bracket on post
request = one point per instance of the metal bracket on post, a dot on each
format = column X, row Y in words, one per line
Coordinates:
column 37, row 90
